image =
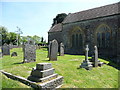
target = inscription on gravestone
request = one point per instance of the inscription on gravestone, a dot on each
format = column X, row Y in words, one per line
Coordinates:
column 61, row 49
column 5, row 49
column 29, row 53
column 53, row 50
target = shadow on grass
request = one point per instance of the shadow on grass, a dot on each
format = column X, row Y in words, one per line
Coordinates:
column 18, row 63
column 111, row 62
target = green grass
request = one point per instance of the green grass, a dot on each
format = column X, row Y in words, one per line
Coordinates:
column 66, row 66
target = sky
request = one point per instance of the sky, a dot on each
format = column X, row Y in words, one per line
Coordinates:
column 35, row 17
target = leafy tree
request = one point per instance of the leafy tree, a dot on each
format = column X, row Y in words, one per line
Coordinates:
column 4, row 33
column 36, row 39
column 59, row 18
column 12, row 38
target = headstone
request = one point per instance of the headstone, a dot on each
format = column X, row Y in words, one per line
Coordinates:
column 5, row 49
column 96, row 56
column 86, row 63
column 44, row 74
column 49, row 49
column 53, row 50
column 61, row 49
column 29, row 53
column 14, row 54
column 95, row 60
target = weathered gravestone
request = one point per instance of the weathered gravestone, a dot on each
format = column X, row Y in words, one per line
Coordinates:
column 14, row 54
column 53, row 50
column 95, row 60
column 61, row 49
column 49, row 49
column 5, row 49
column 86, row 63
column 29, row 53
column 44, row 74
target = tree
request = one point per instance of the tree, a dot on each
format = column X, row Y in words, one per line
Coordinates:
column 36, row 39
column 4, row 33
column 59, row 18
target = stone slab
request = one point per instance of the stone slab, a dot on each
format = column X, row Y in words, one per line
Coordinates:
column 43, row 66
column 36, row 79
column 55, row 83
column 52, row 83
column 41, row 74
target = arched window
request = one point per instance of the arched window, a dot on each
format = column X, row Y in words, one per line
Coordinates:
column 103, row 36
column 77, row 38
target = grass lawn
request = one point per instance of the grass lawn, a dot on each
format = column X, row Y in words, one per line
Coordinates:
column 66, row 66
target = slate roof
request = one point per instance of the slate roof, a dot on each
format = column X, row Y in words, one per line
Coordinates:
column 93, row 13
column 55, row 28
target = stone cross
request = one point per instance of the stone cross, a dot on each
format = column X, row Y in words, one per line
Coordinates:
column 96, row 56
column 86, row 53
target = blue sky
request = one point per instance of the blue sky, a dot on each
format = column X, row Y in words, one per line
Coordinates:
column 35, row 17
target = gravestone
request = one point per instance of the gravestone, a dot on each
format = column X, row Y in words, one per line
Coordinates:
column 0, row 52
column 5, row 49
column 96, row 56
column 86, row 63
column 29, row 53
column 61, row 49
column 95, row 60
column 53, row 50
column 44, row 74
column 14, row 54
column 49, row 49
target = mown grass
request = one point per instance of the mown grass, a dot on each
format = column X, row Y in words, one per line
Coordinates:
column 66, row 66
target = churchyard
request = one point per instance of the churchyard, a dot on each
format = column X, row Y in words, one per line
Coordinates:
column 66, row 65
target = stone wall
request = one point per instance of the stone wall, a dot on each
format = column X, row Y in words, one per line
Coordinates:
column 89, row 31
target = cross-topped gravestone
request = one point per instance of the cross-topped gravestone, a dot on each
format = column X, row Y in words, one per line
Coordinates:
column 86, row 63
column 29, row 53
column 5, row 49
column 53, row 50
column 61, row 49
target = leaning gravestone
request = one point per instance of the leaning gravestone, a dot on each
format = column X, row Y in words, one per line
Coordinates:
column 5, row 49
column 44, row 74
column 53, row 50
column 86, row 63
column 29, row 53
column 61, row 49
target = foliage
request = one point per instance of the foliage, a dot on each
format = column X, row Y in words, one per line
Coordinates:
column 8, row 37
column 66, row 66
column 59, row 18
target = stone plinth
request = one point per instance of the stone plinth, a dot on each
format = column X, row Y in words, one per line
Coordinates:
column 87, row 65
column 44, row 74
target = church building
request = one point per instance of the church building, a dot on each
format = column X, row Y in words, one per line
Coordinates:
column 98, row 26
